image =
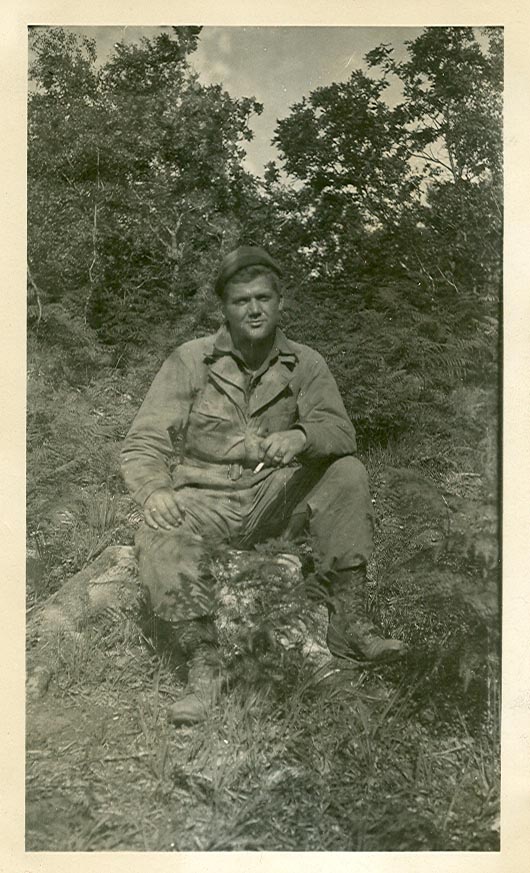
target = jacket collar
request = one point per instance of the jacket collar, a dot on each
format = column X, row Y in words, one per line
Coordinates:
column 223, row 345
column 275, row 371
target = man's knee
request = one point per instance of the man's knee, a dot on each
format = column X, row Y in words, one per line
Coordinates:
column 341, row 515
column 147, row 538
column 163, row 545
column 347, row 475
column 342, row 488
column 171, row 570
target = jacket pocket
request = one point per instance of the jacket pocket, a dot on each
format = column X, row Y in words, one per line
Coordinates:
column 211, row 406
column 281, row 416
column 209, row 417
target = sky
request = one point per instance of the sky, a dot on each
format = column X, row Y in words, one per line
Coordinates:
column 276, row 65
column 280, row 65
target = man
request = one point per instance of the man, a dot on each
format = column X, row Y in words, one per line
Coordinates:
column 268, row 447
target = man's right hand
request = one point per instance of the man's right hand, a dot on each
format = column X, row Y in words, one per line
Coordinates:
column 163, row 509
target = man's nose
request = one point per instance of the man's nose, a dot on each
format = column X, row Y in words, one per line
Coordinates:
column 254, row 307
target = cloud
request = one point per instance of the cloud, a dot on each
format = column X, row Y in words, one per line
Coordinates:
column 224, row 43
column 212, row 58
column 216, row 72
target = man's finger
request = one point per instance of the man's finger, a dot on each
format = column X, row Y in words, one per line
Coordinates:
column 163, row 519
column 265, row 454
column 266, row 444
column 270, row 444
column 288, row 457
column 171, row 515
column 174, row 511
column 149, row 520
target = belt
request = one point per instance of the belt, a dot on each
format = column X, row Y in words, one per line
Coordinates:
column 234, row 469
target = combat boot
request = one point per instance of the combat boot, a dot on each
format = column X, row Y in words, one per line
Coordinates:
column 204, row 685
column 351, row 633
column 203, row 689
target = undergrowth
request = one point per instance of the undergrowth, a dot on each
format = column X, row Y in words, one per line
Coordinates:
column 300, row 755
column 322, row 761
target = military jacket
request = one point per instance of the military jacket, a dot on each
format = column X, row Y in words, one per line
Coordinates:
column 205, row 394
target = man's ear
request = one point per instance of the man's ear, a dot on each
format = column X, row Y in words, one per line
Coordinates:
column 280, row 303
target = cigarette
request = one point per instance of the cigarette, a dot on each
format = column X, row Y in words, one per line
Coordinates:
column 259, row 467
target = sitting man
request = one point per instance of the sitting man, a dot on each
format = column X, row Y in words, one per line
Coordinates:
column 268, row 447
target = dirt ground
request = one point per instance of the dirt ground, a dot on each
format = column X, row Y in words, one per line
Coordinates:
column 302, row 753
column 335, row 761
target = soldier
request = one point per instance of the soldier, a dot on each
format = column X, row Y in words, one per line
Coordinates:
column 268, row 448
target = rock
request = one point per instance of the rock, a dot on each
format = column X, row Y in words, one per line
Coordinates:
column 263, row 604
column 35, row 569
column 38, row 681
column 109, row 585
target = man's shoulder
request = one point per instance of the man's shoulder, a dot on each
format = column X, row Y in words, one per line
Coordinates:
column 195, row 349
column 305, row 354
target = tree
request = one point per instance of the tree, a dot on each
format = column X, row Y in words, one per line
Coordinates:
column 343, row 144
column 397, row 215
column 452, row 122
column 134, row 178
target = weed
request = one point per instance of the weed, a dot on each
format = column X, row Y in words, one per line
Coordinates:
column 303, row 753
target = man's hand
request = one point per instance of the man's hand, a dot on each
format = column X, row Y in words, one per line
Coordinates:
column 279, row 449
column 253, row 443
column 163, row 509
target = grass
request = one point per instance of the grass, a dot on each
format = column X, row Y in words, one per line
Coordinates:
column 297, row 756
column 347, row 764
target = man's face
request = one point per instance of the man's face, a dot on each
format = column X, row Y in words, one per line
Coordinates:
column 252, row 310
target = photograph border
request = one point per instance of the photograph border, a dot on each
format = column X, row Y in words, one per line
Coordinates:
column 515, row 812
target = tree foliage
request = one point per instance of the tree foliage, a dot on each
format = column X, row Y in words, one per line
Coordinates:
column 135, row 178
column 396, row 221
column 387, row 218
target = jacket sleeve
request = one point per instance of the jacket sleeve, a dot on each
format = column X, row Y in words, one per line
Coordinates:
column 322, row 416
column 147, row 447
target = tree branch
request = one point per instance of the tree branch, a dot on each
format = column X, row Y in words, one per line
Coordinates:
column 94, row 242
column 36, row 292
column 447, row 279
column 457, row 173
column 427, row 157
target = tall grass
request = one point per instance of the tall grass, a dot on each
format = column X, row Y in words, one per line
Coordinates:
column 302, row 753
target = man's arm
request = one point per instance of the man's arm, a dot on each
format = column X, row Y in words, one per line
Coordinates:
column 147, row 447
column 323, row 430
column 322, row 416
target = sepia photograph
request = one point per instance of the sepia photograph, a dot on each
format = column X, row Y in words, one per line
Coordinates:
column 264, row 395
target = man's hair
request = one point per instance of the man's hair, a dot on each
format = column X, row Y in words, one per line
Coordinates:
column 247, row 274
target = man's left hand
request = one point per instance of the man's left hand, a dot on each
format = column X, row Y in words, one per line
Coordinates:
column 279, row 449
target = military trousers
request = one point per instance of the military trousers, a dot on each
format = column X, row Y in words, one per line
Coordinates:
column 330, row 500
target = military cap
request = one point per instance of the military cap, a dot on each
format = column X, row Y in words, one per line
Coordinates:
column 244, row 256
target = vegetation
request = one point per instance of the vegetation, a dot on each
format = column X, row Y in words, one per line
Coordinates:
column 388, row 221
